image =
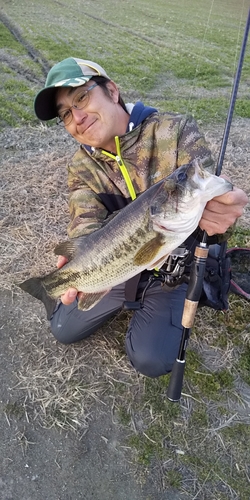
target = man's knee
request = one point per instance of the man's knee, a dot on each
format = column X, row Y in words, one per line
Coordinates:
column 66, row 334
column 65, row 325
column 151, row 364
column 61, row 335
column 69, row 324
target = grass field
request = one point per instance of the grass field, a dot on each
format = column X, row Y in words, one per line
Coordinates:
column 179, row 56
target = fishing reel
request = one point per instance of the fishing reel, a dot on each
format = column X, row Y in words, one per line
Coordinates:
column 172, row 273
column 174, row 267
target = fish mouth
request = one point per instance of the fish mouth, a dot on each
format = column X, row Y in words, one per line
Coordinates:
column 162, row 227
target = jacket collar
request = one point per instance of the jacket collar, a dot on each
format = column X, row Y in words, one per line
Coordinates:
column 138, row 113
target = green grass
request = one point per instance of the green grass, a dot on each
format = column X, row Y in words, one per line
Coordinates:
column 206, row 110
column 165, row 48
column 20, row 110
column 239, row 238
column 56, row 49
column 180, row 437
column 210, row 385
column 186, row 438
column 243, row 365
column 7, row 41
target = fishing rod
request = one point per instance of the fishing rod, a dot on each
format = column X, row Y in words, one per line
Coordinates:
column 198, row 267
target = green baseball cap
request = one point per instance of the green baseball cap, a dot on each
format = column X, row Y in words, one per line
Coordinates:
column 70, row 72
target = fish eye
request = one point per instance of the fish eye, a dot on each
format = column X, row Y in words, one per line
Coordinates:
column 182, row 177
column 157, row 204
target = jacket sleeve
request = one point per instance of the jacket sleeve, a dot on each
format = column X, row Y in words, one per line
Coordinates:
column 87, row 212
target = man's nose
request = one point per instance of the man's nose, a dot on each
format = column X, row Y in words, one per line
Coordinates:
column 78, row 115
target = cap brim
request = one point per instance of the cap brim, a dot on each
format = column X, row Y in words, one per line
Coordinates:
column 44, row 104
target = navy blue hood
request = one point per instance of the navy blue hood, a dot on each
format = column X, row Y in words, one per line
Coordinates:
column 139, row 113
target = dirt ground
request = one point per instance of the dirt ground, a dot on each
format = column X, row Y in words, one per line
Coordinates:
column 40, row 463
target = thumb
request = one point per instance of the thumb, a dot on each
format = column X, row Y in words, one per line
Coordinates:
column 61, row 261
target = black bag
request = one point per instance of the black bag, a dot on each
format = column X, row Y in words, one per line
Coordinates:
column 227, row 270
column 217, row 278
column 240, row 270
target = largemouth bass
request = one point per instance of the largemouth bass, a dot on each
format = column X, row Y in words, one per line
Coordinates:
column 138, row 237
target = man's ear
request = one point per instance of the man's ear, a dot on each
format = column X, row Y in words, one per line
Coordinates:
column 113, row 91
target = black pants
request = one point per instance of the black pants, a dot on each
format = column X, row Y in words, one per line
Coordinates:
column 154, row 333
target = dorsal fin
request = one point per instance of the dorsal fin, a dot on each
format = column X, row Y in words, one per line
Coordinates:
column 67, row 248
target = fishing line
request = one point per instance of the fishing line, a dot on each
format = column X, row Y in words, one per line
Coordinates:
column 193, row 86
column 202, row 50
column 199, row 56
column 238, row 43
column 197, row 272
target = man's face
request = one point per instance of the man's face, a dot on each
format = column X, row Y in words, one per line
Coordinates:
column 100, row 121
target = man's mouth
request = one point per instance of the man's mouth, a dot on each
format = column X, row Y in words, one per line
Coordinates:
column 86, row 128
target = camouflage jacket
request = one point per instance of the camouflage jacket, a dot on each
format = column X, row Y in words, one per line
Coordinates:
column 150, row 151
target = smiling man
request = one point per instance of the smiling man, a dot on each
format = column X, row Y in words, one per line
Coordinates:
column 124, row 149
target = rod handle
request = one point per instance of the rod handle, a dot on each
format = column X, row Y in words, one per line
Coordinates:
column 176, row 381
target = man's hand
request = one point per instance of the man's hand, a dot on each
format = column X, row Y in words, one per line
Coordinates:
column 70, row 295
column 222, row 211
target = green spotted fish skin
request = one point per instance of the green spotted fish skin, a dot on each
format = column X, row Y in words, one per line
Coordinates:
column 138, row 237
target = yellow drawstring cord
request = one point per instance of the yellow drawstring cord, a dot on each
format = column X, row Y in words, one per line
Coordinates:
column 123, row 167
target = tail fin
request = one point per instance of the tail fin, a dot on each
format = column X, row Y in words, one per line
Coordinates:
column 34, row 287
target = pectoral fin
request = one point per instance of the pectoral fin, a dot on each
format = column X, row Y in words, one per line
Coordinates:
column 88, row 300
column 149, row 251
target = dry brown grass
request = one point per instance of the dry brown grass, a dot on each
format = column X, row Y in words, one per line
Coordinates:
column 192, row 444
column 237, row 157
column 57, row 385
column 34, row 205
column 61, row 382
column 58, row 382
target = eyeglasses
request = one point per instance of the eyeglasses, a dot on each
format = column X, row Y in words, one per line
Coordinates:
column 80, row 101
